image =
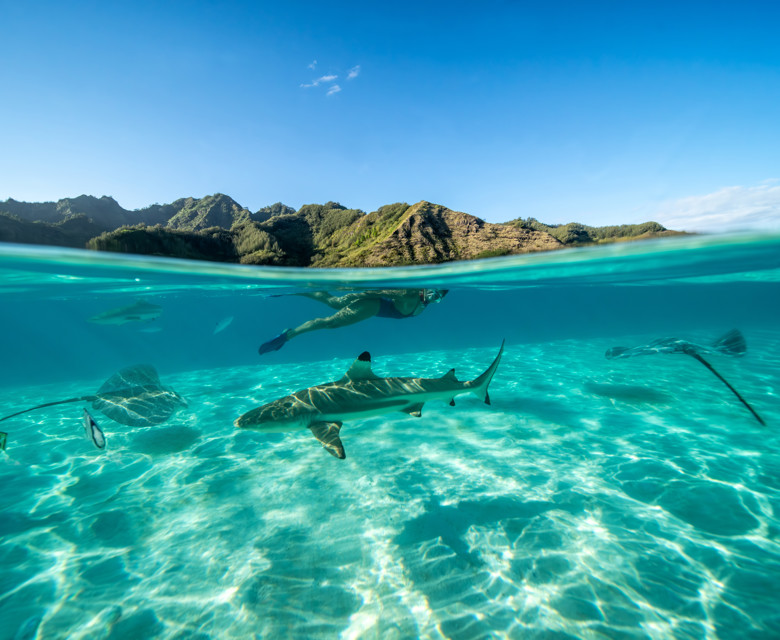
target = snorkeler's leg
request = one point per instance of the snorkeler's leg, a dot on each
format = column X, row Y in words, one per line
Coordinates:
column 359, row 308
column 319, row 296
column 358, row 311
column 277, row 342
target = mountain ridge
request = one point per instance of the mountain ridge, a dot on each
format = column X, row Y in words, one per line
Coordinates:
column 216, row 227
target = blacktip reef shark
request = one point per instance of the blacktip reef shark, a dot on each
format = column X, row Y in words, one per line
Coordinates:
column 359, row 394
column 140, row 311
column 729, row 344
column 134, row 397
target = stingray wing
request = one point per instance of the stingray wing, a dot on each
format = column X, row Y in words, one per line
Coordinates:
column 135, row 397
column 662, row 345
column 140, row 375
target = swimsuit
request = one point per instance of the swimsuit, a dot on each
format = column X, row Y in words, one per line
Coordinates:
column 387, row 309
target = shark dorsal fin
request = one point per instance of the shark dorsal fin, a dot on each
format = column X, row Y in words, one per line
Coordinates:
column 450, row 376
column 361, row 368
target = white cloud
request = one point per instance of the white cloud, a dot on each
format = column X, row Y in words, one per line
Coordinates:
column 312, row 65
column 354, row 72
column 319, row 81
column 728, row 209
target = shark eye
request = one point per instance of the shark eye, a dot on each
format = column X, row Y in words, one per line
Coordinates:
column 287, row 405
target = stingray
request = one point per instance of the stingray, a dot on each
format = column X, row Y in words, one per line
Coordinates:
column 133, row 397
column 729, row 344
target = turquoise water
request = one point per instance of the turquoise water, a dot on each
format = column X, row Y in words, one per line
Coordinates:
column 593, row 498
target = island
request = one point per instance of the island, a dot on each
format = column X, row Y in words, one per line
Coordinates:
column 217, row 228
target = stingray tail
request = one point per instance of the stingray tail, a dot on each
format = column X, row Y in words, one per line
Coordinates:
column 479, row 386
column 724, row 381
column 731, row 344
column 50, row 404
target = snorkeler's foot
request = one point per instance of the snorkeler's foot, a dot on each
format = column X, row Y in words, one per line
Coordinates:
column 274, row 344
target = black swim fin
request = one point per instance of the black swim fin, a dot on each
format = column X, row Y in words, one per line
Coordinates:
column 274, row 344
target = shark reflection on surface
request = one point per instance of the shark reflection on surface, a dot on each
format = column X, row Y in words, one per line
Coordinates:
column 359, row 394
column 730, row 344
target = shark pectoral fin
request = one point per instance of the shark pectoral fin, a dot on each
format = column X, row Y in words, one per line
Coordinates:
column 328, row 434
column 452, row 402
column 414, row 410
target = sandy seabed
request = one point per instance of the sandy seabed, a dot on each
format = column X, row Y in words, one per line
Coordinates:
column 593, row 499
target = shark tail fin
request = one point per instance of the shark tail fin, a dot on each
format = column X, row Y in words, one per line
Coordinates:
column 731, row 343
column 479, row 386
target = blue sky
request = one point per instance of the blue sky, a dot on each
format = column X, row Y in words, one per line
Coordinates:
column 600, row 112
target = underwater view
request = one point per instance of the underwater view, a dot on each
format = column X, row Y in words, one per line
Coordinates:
column 580, row 444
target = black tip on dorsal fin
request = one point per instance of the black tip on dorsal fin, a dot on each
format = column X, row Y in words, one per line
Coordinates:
column 364, row 357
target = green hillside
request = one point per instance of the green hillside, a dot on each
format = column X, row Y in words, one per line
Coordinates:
column 575, row 233
column 217, row 228
column 197, row 214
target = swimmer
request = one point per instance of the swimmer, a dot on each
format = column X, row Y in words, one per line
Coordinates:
column 356, row 307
